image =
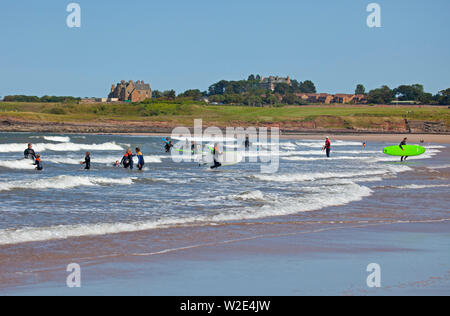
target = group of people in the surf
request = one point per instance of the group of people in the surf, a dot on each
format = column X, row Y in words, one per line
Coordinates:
column 128, row 163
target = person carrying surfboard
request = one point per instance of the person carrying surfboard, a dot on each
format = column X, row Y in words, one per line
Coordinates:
column 327, row 146
column 216, row 153
column 403, row 143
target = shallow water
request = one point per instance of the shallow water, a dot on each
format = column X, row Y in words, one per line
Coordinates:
column 66, row 201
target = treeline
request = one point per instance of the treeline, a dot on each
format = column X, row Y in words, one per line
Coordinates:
column 44, row 99
column 245, row 92
column 408, row 93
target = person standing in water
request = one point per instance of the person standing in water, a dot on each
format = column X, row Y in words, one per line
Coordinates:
column 247, row 142
column 168, row 146
column 87, row 161
column 38, row 163
column 127, row 160
column 403, row 143
column 140, row 157
column 29, row 152
column 216, row 153
column 327, row 147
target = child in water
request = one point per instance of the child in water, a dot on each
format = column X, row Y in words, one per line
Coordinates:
column 38, row 163
column 140, row 157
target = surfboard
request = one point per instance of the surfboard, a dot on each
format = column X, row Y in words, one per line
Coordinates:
column 409, row 150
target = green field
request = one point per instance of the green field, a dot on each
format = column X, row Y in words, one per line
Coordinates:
column 344, row 116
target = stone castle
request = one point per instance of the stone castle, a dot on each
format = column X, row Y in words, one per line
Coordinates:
column 130, row 91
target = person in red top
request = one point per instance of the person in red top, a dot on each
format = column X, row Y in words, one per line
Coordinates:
column 327, row 146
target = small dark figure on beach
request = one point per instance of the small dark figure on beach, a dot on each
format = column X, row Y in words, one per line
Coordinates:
column 327, row 147
column 403, row 143
column 87, row 161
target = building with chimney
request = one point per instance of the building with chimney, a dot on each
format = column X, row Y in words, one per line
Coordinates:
column 130, row 91
column 271, row 82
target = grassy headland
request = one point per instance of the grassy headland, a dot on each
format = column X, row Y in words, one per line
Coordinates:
column 15, row 116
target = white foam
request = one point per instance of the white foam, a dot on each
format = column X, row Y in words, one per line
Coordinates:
column 447, row 166
column 62, row 182
column 338, row 195
column 109, row 160
column 57, row 139
column 299, row 177
column 67, row 147
column 246, row 196
column 21, row 164
column 422, row 186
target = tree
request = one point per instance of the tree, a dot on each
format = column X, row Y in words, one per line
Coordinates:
column 282, row 88
column 360, row 89
column 194, row 94
column 170, row 94
column 413, row 92
column 156, row 94
column 443, row 97
column 383, row 95
column 307, row 87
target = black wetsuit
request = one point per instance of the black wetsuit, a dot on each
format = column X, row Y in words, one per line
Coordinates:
column 247, row 143
column 127, row 161
column 87, row 162
column 29, row 154
column 403, row 143
column 38, row 164
column 168, row 147
column 217, row 164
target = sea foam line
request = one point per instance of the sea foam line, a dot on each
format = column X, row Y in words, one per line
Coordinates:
column 305, row 203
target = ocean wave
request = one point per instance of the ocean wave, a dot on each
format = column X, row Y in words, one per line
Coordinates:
column 110, row 160
column 299, row 177
column 336, row 196
column 67, row 147
column 62, row 182
column 20, row 164
column 447, row 166
column 248, row 196
column 422, row 186
column 57, row 139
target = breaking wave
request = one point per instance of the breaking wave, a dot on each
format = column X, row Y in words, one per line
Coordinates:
column 62, row 182
column 41, row 147
column 341, row 195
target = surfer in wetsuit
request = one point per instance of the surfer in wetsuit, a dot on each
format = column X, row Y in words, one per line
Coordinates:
column 216, row 153
column 38, row 163
column 169, row 146
column 29, row 152
column 127, row 160
column 247, row 142
column 140, row 157
column 87, row 161
column 403, row 143
column 327, row 147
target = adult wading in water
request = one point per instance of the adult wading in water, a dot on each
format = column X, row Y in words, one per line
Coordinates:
column 327, row 147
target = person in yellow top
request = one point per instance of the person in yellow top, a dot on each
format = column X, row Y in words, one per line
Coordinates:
column 140, row 157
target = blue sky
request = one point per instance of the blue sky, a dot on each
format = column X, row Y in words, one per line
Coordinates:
column 183, row 44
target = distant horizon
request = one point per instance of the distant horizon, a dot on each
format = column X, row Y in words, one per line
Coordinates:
column 181, row 46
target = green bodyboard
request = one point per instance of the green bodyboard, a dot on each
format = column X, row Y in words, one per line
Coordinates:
column 409, row 150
